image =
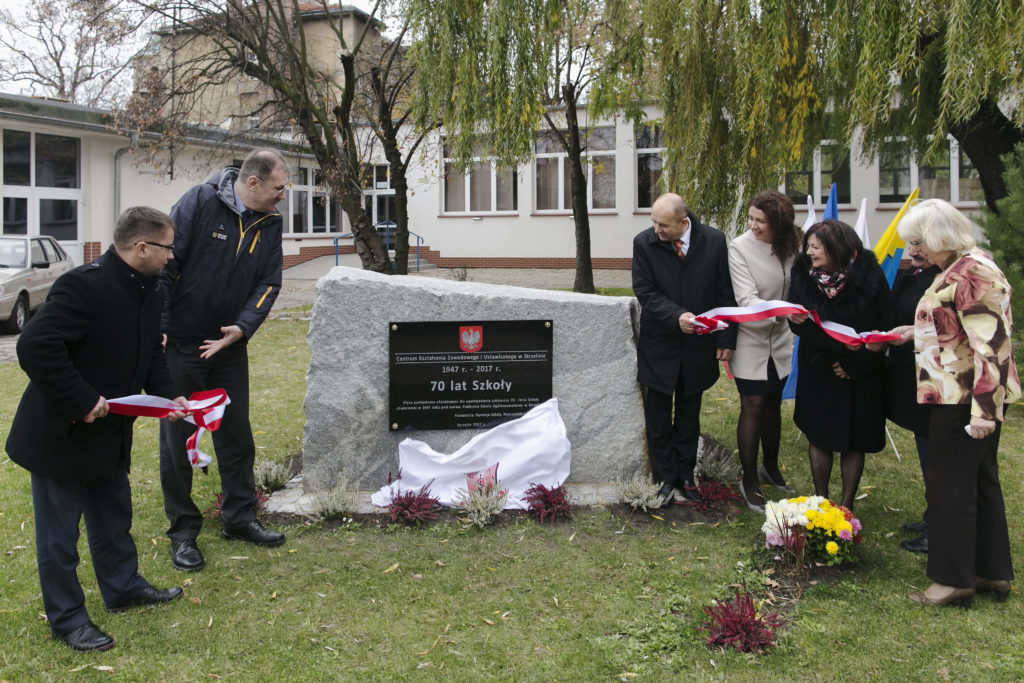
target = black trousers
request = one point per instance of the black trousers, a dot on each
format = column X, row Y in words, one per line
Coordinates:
column 672, row 438
column 233, row 443
column 967, row 534
column 59, row 506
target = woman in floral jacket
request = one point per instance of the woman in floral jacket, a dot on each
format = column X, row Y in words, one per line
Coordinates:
column 966, row 372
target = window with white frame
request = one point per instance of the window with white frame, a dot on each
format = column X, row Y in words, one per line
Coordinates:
column 484, row 187
column 378, row 195
column 552, row 170
column 829, row 163
column 41, row 184
column 944, row 172
column 649, row 164
column 307, row 206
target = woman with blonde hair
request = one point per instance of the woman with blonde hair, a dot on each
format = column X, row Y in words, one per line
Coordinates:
column 967, row 374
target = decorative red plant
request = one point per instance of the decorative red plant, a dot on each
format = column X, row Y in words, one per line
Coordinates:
column 413, row 507
column 546, row 504
column 213, row 512
column 737, row 624
column 714, row 494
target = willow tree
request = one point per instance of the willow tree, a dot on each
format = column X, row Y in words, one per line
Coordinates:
column 499, row 72
column 750, row 88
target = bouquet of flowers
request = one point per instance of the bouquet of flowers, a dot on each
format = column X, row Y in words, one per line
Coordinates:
column 812, row 526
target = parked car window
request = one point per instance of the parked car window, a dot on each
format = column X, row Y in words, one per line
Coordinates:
column 37, row 252
column 12, row 253
column 58, row 252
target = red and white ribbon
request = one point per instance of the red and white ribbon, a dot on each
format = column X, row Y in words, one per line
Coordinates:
column 719, row 319
column 205, row 408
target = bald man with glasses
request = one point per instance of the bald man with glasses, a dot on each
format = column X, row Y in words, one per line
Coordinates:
column 222, row 283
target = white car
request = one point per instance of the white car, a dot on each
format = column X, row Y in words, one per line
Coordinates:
column 28, row 268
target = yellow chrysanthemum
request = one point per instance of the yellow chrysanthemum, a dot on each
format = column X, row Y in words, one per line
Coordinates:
column 832, row 547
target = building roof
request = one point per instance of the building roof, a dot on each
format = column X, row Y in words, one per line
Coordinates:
column 44, row 110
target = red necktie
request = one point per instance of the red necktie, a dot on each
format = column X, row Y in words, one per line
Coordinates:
column 678, row 244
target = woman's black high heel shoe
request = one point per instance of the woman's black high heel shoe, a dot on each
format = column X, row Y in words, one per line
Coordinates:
column 780, row 485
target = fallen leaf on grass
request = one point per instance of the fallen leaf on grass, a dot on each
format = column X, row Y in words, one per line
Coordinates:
column 391, row 568
column 273, row 596
column 210, row 623
column 491, row 569
column 214, row 676
column 555, row 598
column 196, row 600
column 292, row 550
column 572, row 537
column 660, row 519
column 771, row 583
column 988, row 666
column 671, row 559
column 423, row 665
column 238, row 557
column 488, row 622
column 439, row 563
column 109, row 669
column 627, row 674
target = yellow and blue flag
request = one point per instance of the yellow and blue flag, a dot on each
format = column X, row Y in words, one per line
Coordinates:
column 889, row 248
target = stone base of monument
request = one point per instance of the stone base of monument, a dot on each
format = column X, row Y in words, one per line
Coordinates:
column 348, row 434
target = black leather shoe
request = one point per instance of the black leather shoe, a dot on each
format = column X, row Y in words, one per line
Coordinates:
column 667, row 492
column 185, row 556
column 916, row 527
column 690, row 491
column 255, row 533
column 916, row 545
column 87, row 637
column 148, row 596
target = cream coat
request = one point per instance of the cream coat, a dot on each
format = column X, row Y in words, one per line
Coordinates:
column 758, row 276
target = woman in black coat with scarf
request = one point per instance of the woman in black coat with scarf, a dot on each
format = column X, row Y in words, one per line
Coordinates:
column 840, row 395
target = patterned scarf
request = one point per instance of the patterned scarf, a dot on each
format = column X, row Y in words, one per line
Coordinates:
column 829, row 284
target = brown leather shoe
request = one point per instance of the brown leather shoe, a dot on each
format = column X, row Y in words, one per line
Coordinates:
column 998, row 586
column 944, row 596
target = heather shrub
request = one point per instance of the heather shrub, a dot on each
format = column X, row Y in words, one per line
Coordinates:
column 639, row 492
column 737, row 624
column 547, row 504
column 413, row 507
column 270, row 475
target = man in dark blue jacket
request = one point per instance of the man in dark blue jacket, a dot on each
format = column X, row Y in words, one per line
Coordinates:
column 224, row 278
column 97, row 336
column 680, row 269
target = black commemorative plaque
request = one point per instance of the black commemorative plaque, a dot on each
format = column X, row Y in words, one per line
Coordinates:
column 465, row 375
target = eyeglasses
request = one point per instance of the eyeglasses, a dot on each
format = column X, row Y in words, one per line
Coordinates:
column 278, row 189
column 168, row 247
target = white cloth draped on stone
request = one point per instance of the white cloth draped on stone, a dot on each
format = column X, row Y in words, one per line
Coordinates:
column 532, row 449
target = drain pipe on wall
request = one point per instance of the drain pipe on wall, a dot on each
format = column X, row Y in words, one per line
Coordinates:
column 117, row 173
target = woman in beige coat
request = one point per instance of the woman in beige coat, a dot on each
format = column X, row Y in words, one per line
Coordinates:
column 759, row 263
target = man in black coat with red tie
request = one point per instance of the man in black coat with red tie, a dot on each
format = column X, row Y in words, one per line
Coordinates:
column 97, row 336
column 680, row 269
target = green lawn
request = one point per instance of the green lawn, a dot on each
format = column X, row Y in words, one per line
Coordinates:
column 606, row 596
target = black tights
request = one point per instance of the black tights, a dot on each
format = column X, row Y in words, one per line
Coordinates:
column 851, row 466
column 760, row 423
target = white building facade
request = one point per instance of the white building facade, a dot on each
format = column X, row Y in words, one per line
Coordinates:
column 63, row 172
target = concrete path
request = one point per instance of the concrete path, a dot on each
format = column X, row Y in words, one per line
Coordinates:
column 299, row 284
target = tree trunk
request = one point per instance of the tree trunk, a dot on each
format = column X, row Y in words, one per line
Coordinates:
column 578, row 187
column 985, row 138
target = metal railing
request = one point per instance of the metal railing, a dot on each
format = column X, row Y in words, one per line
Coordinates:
column 385, row 230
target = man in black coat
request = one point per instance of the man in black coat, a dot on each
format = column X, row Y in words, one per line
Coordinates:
column 680, row 269
column 224, row 279
column 97, row 335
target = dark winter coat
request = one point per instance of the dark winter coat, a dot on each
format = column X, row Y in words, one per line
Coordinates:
column 901, row 369
column 842, row 414
column 667, row 287
column 227, row 265
column 98, row 334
